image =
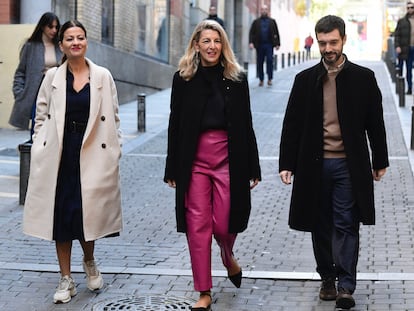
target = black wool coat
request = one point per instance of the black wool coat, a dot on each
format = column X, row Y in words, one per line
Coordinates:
column 360, row 114
column 188, row 99
column 402, row 37
column 255, row 29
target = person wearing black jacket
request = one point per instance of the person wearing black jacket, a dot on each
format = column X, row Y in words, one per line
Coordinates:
column 334, row 108
column 404, row 44
column 264, row 36
column 213, row 16
column 212, row 157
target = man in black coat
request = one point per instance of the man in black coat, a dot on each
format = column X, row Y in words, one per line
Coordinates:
column 404, row 44
column 333, row 108
column 212, row 14
column 264, row 36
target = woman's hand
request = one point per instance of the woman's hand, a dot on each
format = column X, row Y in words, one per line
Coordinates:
column 253, row 183
column 286, row 177
column 171, row 183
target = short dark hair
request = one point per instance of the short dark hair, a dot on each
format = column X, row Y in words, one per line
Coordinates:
column 329, row 23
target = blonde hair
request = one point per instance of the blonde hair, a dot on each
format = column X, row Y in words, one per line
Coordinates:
column 190, row 61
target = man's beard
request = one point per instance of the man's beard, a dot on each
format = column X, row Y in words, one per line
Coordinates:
column 330, row 61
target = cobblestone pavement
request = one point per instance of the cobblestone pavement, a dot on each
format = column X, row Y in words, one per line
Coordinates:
column 148, row 266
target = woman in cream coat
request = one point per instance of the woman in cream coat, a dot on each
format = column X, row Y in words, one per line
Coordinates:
column 93, row 161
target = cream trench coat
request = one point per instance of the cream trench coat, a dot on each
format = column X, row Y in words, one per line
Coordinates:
column 99, row 157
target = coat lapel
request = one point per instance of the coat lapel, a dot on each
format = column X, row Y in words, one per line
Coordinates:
column 96, row 97
column 58, row 102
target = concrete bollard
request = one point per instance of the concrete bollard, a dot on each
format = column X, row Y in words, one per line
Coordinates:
column 401, row 91
column 24, row 150
column 141, row 112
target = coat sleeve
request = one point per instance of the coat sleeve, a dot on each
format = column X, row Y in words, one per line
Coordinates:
column 397, row 35
column 375, row 127
column 20, row 74
column 291, row 129
column 43, row 100
column 255, row 171
column 115, row 104
column 173, row 131
column 276, row 36
column 252, row 34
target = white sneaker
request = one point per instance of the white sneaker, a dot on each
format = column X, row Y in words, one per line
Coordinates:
column 65, row 290
column 93, row 276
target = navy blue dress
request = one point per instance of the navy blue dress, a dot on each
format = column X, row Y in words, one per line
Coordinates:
column 68, row 224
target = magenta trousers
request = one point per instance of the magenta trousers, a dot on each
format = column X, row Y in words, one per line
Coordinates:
column 208, row 207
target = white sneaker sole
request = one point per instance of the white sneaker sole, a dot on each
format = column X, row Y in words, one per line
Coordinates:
column 72, row 293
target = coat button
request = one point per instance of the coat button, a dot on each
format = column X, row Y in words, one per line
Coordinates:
column 44, row 143
column 48, row 116
column 103, row 118
column 103, row 146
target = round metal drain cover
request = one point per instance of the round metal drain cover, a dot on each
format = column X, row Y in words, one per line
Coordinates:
column 147, row 303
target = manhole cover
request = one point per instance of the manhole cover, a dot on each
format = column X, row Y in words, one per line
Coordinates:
column 147, row 303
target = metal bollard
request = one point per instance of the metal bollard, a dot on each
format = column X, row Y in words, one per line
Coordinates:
column 401, row 91
column 412, row 128
column 397, row 83
column 283, row 60
column 294, row 59
column 275, row 62
column 24, row 150
column 288, row 60
column 141, row 112
column 246, row 67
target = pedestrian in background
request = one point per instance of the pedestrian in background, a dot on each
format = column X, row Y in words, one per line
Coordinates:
column 212, row 159
column 73, row 191
column 333, row 109
column 213, row 16
column 404, row 44
column 264, row 36
column 39, row 53
column 308, row 46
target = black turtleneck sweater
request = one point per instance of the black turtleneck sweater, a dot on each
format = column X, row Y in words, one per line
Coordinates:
column 214, row 116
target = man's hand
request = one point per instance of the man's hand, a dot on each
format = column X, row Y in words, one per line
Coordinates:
column 377, row 174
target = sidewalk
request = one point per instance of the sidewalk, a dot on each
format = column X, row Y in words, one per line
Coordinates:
column 148, row 267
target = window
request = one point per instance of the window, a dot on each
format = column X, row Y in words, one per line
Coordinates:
column 107, row 31
column 65, row 9
column 153, row 28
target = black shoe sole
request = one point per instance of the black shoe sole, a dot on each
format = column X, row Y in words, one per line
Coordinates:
column 345, row 303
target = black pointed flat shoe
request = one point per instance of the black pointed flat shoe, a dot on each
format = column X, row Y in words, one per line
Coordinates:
column 236, row 278
column 208, row 308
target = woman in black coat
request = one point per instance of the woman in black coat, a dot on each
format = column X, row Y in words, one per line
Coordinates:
column 212, row 158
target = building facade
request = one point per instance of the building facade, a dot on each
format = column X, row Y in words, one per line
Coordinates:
column 139, row 41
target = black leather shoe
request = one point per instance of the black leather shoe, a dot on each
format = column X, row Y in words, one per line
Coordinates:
column 236, row 278
column 344, row 299
column 409, row 92
column 328, row 289
column 208, row 308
